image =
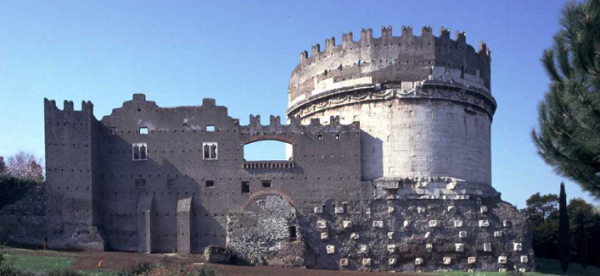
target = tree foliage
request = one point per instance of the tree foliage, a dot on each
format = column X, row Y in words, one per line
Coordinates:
column 25, row 166
column 569, row 116
column 2, row 166
column 564, row 240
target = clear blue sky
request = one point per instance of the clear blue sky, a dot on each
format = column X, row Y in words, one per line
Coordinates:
column 242, row 53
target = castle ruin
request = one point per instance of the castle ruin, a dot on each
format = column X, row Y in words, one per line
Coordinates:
column 388, row 169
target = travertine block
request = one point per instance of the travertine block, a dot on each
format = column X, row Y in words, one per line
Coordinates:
column 378, row 224
column 321, row 224
column 506, row 223
column 487, row 247
column 339, row 209
column 459, row 247
column 391, row 248
column 524, row 259
column 344, row 262
column 458, row 223
column 433, row 223
column 522, row 269
column 484, row 223
column 427, row 235
column 390, row 209
column 462, row 234
column 324, row 236
column 366, row 261
column 363, row 248
column 429, row 247
column 421, row 210
column 472, row 260
column 497, row 234
column 406, row 223
column 347, row 224
column 517, row 246
column 318, row 210
column 447, row 260
column 354, row 236
column 502, row 270
column 330, row 249
column 483, row 209
column 392, row 261
column 502, row 259
column 390, row 235
column 451, row 209
column 418, row 261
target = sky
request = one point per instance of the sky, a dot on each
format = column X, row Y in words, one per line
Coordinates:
column 242, row 54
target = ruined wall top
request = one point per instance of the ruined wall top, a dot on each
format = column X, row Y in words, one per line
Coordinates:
column 405, row 58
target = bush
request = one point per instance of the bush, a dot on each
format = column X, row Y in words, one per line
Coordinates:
column 514, row 273
column 205, row 271
column 7, row 270
column 137, row 269
column 64, row 272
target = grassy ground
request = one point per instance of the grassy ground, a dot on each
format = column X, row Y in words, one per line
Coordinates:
column 45, row 261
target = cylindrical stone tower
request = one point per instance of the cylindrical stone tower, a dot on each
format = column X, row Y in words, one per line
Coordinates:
column 424, row 104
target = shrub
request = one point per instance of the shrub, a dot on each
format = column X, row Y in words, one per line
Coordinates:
column 514, row 273
column 7, row 270
column 137, row 269
column 64, row 272
column 205, row 271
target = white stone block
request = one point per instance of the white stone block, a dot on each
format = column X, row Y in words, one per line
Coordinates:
column 429, row 247
column 451, row 209
column 344, row 262
column 472, row 260
column 502, row 270
column 390, row 235
column 460, row 247
column 390, row 209
column 462, row 234
column 366, row 261
column 484, row 223
column 321, row 224
column 502, row 259
column 421, row 210
column 447, row 260
column 522, row 269
column 318, row 209
column 433, row 223
column 524, row 259
column 418, row 261
column 363, row 248
column 392, row 261
column 427, row 235
column 487, row 247
column 391, row 248
column 483, row 209
column 406, row 223
column 378, row 224
column 470, row 270
column 346, row 224
column 517, row 246
column 506, row 223
column 330, row 249
column 497, row 234
column 458, row 223
column 339, row 209
column 354, row 236
column 324, row 236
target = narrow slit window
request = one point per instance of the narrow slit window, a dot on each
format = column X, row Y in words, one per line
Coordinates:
column 320, row 137
column 112, row 131
column 292, row 233
column 245, row 187
column 266, row 183
column 140, row 183
column 139, row 152
column 144, row 130
column 210, row 151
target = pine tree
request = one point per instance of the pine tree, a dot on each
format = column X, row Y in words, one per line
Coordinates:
column 582, row 242
column 569, row 116
column 564, row 241
column 596, row 242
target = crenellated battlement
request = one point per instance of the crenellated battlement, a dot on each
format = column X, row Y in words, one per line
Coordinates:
column 295, row 126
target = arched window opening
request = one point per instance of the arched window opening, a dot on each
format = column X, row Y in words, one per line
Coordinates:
column 268, row 150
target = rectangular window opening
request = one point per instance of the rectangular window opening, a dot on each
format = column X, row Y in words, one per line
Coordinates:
column 210, row 128
column 266, row 183
column 210, row 151
column 292, row 232
column 144, row 130
column 112, row 131
column 139, row 151
column 210, row 183
column 245, row 187
column 140, row 183
column 172, row 182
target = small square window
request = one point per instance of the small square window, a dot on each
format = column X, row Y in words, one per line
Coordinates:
column 245, row 187
column 210, row 184
column 266, row 183
column 112, row 131
column 320, row 137
column 210, row 151
column 172, row 182
column 210, row 128
column 292, row 233
column 140, row 183
column 143, row 130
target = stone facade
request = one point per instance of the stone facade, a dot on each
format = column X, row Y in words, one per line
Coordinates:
column 388, row 169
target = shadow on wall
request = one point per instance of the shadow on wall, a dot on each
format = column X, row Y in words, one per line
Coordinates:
column 372, row 156
column 124, row 186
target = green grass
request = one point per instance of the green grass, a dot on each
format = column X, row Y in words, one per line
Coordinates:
column 545, row 267
column 41, row 264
